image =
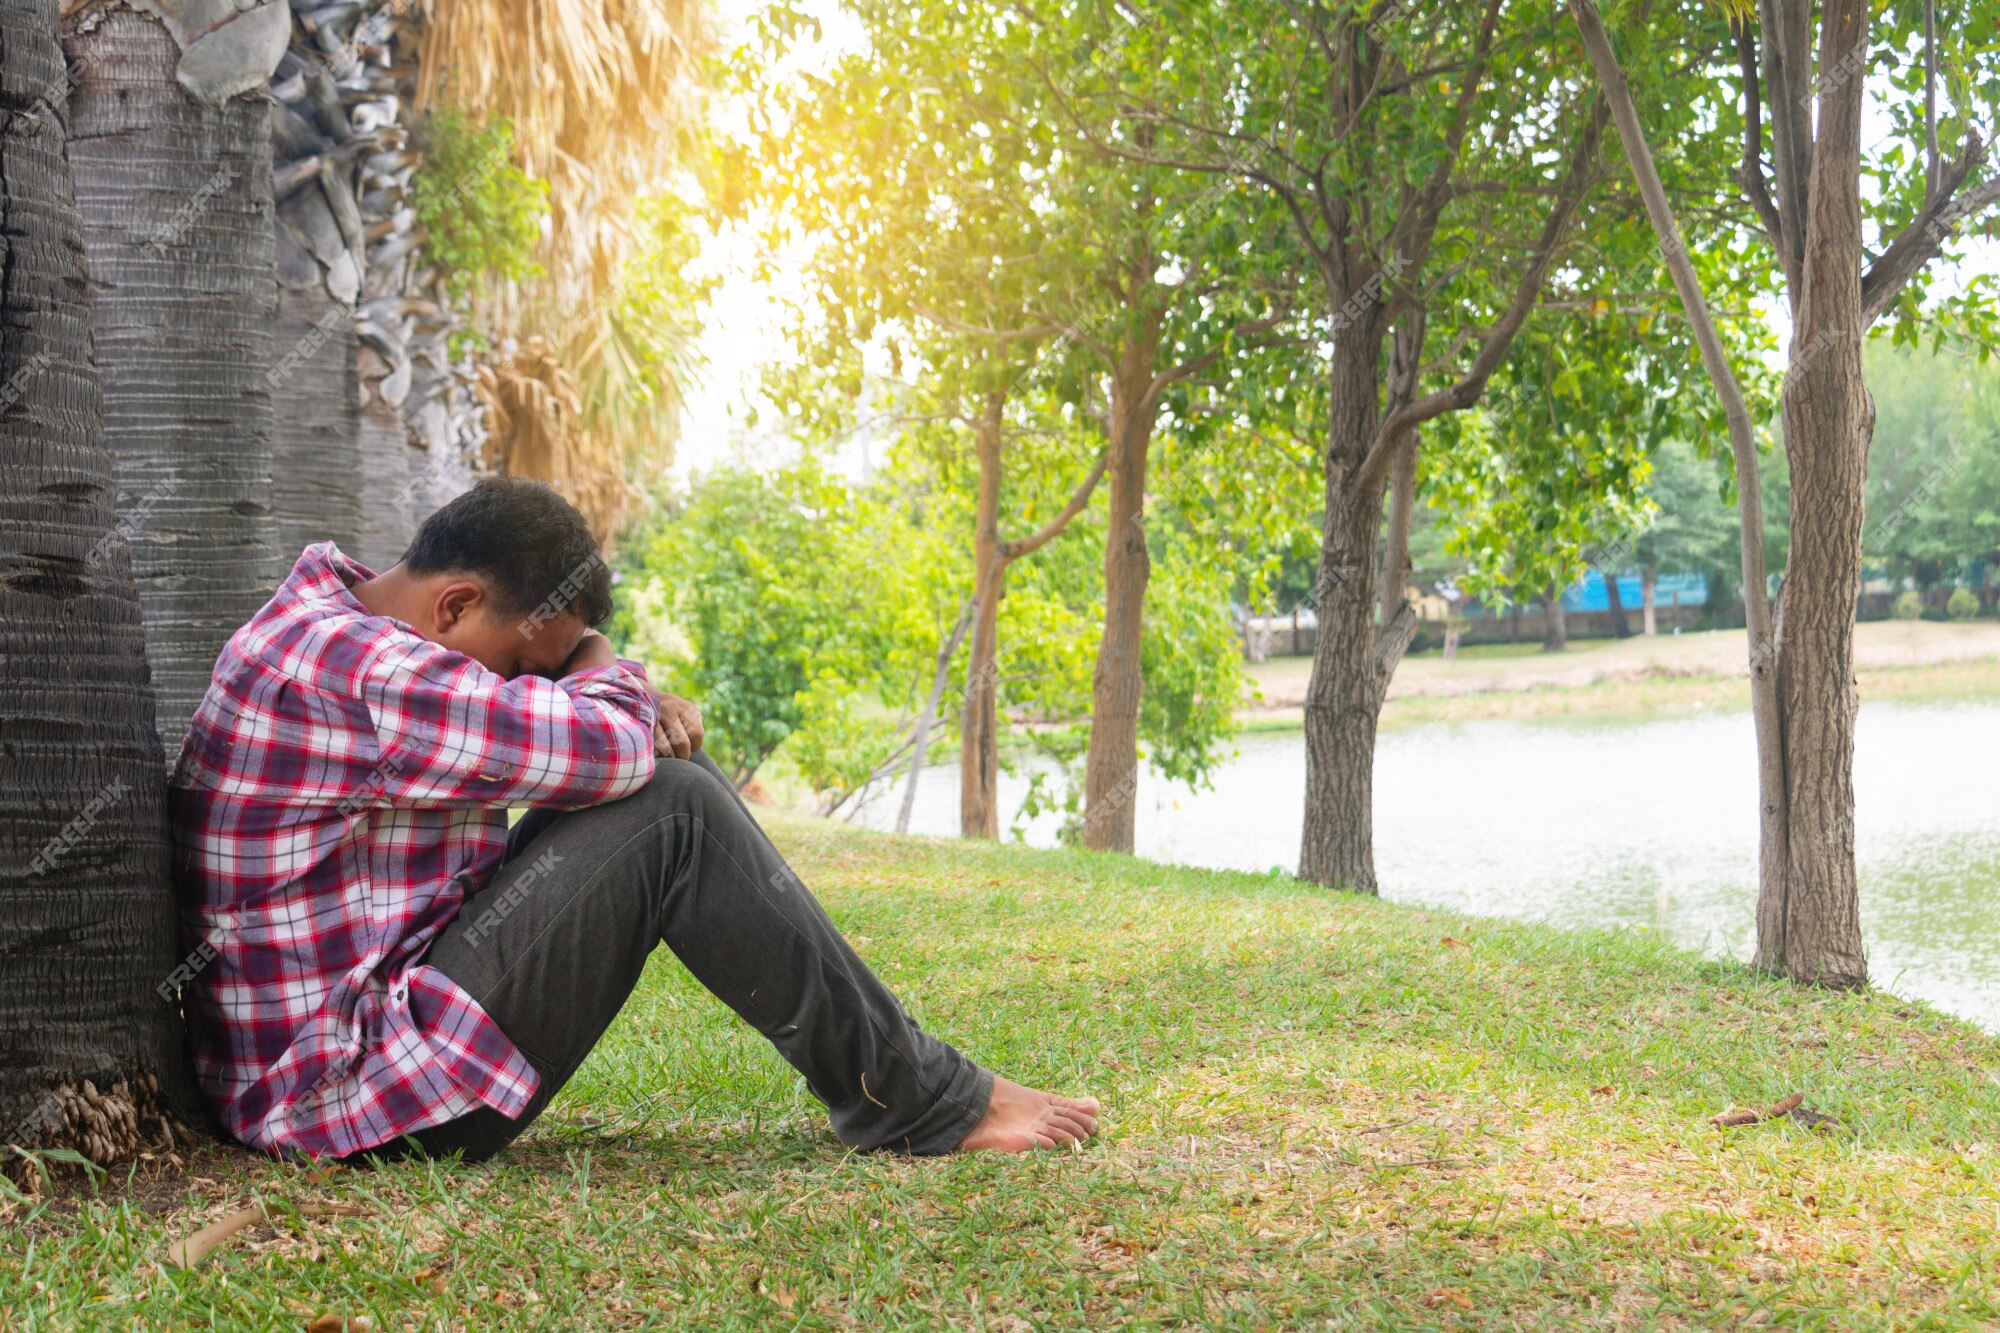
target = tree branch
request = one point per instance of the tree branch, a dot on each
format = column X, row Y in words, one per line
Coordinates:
column 1920, row 242
column 1751, row 174
column 1012, row 551
column 1464, row 392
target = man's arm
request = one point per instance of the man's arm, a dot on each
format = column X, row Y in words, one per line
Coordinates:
column 455, row 734
column 678, row 733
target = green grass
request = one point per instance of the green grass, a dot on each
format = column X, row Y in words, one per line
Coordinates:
column 1320, row 1111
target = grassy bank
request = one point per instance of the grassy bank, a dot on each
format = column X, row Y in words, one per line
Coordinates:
column 1319, row 1109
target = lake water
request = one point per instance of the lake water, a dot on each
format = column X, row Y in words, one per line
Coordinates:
column 1632, row 823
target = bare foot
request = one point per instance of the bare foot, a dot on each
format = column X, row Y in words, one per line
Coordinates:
column 1019, row 1118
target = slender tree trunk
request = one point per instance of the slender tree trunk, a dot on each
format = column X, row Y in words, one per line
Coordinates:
column 1614, row 602
column 87, row 920
column 175, row 194
column 1790, row 127
column 1513, row 622
column 1649, row 579
column 1555, row 624
column 1111, row 766
column 1452, row 634
column 979, row 720
column 920, row 741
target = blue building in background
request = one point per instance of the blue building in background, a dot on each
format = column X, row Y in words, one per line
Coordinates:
column 1587, row 593
column 1668, row 590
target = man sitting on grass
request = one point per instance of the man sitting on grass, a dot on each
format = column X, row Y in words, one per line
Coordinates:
column 393, row 970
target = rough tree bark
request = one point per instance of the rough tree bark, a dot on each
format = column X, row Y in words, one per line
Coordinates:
column 316, row 453
column 87, row 920
column 1344, row 692
column 170, row 143
column 1813, row 931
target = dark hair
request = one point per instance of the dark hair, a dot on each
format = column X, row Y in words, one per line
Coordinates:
column 525, row 542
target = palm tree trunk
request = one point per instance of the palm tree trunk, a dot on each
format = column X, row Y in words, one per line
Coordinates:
column 386, row 500
column 87, row 922
column 175, row 194
column 316, row 451
column 321, row 247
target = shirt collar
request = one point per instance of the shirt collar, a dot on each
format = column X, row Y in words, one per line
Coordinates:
column 325, row 574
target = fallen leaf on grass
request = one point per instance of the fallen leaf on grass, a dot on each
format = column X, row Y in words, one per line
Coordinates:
column 1449, row 942
column 1449, row 1296
column 1604, row 1091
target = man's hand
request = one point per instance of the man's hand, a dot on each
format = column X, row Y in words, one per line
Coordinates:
column 678, row 733
column 592, row 650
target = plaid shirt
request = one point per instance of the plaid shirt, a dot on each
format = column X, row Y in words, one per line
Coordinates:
column 344, row 786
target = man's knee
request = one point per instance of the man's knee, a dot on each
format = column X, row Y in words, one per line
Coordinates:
column 683, row 786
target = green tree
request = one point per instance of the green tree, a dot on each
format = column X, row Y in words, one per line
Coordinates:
column 1802, row 79
column 1429, row 167
column 964, row 218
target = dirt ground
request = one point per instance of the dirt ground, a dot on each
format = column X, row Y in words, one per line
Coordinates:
column 1502, row 668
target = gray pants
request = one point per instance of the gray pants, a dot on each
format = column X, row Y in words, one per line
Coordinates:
column 556, row 941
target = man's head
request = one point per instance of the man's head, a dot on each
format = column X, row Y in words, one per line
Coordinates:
column 507, row 574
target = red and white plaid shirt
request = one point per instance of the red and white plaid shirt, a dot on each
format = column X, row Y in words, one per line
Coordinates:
column 344, row 786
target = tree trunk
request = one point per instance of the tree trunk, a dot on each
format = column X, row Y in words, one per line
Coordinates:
column 316, row 445
column 175, row 194
column 1452, row 634
column 1614, row 602
column 1813, row 931
column 87, row 921
column 1111, row 766
column 317, row 450
column 1396, row 555
column 1649, row 579
column 1555, row 624
column 1513, row 622
column 979, row 719
column 1815, row 934
column 386, row 501
column 1344, row 693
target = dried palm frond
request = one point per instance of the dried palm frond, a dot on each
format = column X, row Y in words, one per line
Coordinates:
column 602, row 96
column 534, row 428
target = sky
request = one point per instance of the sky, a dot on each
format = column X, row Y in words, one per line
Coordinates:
column 743, row 324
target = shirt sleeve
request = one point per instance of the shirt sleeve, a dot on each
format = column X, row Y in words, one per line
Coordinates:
column 452, row 733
